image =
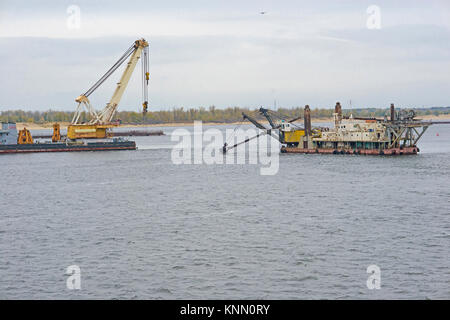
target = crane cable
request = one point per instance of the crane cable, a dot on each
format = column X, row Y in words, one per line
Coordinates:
column 111, row 70
column 142, row 80
column 145, row 79
column 235, row 129
column 250, row 113
column 283, row 118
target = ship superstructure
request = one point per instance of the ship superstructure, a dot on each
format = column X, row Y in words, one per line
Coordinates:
column 397, row 134
column 8, row 133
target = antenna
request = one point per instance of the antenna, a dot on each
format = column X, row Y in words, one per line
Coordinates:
column 351, row 108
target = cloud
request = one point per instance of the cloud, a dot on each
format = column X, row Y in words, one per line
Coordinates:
column 299, row 53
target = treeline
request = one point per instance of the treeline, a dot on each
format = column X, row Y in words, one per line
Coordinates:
column 211, row 114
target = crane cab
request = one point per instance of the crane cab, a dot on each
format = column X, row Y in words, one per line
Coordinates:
column 86, row 131
column 285, row 126
column 289, row 135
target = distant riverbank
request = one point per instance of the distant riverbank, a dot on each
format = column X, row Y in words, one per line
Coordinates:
column 48, row 125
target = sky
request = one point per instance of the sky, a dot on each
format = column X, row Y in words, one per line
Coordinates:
column 226, row 53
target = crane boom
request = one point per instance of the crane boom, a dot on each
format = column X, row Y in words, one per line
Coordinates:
column 99, row 122
column 108, row 112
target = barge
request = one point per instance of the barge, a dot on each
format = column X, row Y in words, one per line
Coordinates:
column 395, row 134
column 12, row 142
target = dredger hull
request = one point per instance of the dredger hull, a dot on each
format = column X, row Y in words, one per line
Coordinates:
column 390, row 151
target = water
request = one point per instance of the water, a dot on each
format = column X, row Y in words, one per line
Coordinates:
column 140, row 227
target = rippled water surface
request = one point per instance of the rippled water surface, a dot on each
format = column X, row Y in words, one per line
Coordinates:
column 141, row 227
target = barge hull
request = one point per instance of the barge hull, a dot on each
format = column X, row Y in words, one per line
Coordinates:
column 391, row 151
column 62, row 147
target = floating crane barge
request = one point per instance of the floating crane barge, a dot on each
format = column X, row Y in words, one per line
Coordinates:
column 99, row 124
column 397, row 134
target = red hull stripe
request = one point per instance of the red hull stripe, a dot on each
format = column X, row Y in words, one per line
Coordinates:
column 392, row 151
column 67, row 150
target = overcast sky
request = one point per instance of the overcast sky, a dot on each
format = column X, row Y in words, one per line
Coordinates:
column 226, row 53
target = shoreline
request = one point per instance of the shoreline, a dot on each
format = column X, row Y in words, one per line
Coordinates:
column 63, row 125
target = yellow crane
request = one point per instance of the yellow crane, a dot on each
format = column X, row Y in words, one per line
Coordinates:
column 100, row 122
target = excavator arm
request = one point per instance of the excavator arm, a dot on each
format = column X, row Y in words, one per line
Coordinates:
column 257, row 124
column 254, row 121
column 266, row 114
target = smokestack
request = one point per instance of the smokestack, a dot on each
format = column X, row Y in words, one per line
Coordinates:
column 338, row 111
column 392, row 112
column 307, row 120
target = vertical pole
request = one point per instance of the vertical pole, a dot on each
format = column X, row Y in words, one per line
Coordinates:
column 338, row 113
column 307, row 122
column 392, row 112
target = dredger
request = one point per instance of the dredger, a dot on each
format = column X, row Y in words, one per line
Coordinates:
column 395, row 134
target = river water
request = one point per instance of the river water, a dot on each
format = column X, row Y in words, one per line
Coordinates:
column 141, row 227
